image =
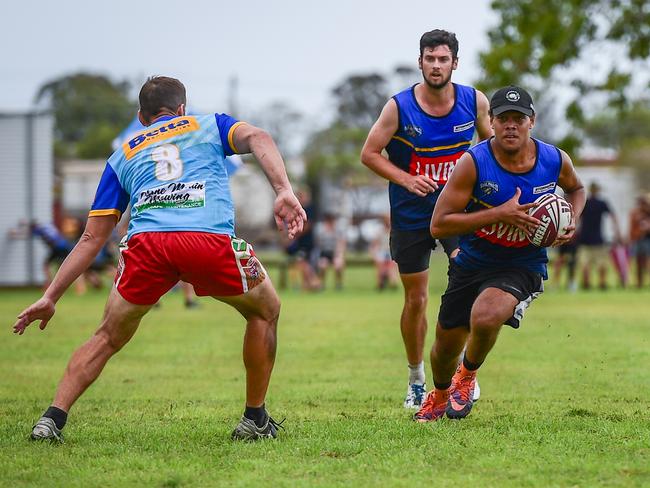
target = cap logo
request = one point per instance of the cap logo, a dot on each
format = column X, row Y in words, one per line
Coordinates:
column 512, row 96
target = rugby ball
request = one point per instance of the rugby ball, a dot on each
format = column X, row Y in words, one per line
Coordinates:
column 554, row 213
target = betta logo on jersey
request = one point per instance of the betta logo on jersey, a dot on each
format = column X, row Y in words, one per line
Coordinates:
column 505, row 235
column 438, row 168
column 169, row 129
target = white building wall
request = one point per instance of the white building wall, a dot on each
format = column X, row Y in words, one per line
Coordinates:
column 26, row 165
column 618, row 187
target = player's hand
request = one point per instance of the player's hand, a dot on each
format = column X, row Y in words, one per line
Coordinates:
column 515, row 213
column 288, row 213
column 420, row 185
column 568, row 232
column 42, row 310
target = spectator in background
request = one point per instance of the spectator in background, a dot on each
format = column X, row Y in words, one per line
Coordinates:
column 567, row 255
column 640, row 236
column 380, row 250
column 330, row 249
column 594, row 252
column 300, row 249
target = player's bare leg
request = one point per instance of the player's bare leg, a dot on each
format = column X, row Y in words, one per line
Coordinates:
column 261, row 309
column 490, row 310
column 446, row 348
column 120, row 321
column 413, row 325
column 413, row 322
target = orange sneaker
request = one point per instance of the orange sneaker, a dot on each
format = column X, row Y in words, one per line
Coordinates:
column 432, row 407
column 461, row 398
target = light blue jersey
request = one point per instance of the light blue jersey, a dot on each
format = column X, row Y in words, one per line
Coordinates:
column 174, row 176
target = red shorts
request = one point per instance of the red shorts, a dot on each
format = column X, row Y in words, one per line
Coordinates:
column 151, row 263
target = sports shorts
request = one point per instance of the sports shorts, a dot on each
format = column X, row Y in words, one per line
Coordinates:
column 595, row 255
column 151, row 263
column 411, row 249
column 466, row 285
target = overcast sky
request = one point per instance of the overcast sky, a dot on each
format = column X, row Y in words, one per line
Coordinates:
column 278, row 50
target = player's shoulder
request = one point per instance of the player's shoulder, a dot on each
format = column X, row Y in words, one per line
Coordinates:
column 479, row 147
column 546, row 148
column 407, row 94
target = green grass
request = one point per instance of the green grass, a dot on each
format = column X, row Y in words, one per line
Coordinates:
column 566, row 398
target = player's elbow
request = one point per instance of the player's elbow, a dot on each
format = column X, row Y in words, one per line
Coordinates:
column 367, row 156
column 438, row 229
column 259, row 137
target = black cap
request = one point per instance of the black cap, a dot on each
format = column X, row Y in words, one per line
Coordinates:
column 512, row 98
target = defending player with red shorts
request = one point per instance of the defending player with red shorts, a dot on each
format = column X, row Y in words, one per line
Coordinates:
column 151, row 263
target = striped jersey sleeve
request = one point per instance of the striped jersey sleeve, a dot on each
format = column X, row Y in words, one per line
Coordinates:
column 110, row 198
column 227, row 125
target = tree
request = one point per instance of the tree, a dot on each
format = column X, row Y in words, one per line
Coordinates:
column 284, row 123
column 359, row 99
column 628, row 135
column 89, row 111
column 550, row 45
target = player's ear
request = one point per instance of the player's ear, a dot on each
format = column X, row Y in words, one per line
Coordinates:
column 141, row 118
column 454, row 64
column 180, row 110
column 532, row 121
column 420, row 62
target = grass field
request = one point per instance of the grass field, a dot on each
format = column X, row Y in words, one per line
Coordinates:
column 565, row 400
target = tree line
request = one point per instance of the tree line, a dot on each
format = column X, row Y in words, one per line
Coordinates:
column 585, row 61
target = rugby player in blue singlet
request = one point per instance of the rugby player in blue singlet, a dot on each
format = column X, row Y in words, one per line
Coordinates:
column 181, row 228
column 425, row 129
column 497, row 272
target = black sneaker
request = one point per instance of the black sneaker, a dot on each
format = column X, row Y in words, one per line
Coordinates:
column 247, row 430
column 46, row 430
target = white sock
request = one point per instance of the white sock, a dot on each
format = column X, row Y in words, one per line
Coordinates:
column 416, row 373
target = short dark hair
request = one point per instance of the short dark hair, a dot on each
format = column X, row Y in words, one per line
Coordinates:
column 160, row 92
column 439, row 37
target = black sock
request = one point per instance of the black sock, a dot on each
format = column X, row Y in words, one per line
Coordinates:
column 470, row 366
column 59, row 416
column 441, row 386
column 256, row 414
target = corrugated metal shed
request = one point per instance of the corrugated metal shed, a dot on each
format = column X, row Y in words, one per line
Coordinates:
column 26, row 169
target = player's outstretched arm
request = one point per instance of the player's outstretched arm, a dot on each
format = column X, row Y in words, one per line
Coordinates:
column 449, row 216
column 287, row 210
column 96, row 233
column 371, row 154
column 574, row 192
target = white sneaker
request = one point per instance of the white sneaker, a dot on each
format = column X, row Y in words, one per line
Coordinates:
column 415, row 395
column 46, row 430
column 247, row 430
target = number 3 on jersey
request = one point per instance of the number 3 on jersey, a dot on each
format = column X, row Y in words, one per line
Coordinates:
column 169, row 164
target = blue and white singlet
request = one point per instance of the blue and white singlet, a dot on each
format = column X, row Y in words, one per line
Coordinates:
column 174, row 176
column 503, row 245
column 427, row 145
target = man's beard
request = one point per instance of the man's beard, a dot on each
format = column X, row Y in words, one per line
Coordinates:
column 437, row 86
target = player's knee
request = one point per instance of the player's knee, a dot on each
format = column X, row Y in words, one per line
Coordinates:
column 110, row 342
column 486, row 320
column 271, row 310
column 416, row 300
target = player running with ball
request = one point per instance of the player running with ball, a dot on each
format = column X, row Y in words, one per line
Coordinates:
column 497, row 272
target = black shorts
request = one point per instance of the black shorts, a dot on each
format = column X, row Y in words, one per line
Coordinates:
column 570, row 249
column 466, row 285
column 411, row 249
